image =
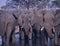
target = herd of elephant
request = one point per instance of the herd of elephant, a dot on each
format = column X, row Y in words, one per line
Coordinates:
column 31, row 22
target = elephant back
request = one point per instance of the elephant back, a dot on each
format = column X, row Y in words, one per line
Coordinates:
column 6, row 18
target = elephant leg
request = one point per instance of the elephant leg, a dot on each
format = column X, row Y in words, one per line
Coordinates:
column 46, row 41
column 56, row 38
column 30, row 42
column 3, row 40
column 38, row 33
column 8, row 32
column 4, row 28
column 22, row 35
column 4, row 37
column 30, row 35
column 57, row 30
column 49, row 31
column 45, row 37
column 59, row 41
column 13, row 38
column 59, row 37
column 42, row 37
column 22, row 43
column 34, row 33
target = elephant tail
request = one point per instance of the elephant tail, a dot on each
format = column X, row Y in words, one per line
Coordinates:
column 42, row 28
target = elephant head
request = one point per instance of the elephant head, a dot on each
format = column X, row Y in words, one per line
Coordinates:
column 23, row 20
column 7, row 24
column 48, row 23
column 56, row 26
column 38, row 19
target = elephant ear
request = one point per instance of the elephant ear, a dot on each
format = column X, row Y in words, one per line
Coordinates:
column 17, row 13
column 57, row 17
column 57, row 11
column 54, row 12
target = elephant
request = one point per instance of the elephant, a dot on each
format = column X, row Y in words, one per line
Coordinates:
column 23, row 21
column 19, row 14
column 48, row 23
column 7, row 24
column 27, row 29
column 57, row 27
column 37, row 22
column 16, row 31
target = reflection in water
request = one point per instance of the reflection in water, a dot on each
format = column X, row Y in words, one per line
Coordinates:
column 0, row 40
column 22, row 43
column 37, row 42
column 26, row 42
column 30, row 42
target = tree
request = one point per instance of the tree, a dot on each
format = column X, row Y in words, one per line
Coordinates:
column 57, row 3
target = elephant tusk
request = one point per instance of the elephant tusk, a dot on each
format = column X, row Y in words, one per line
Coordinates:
column 53, row 29
column 42, row 28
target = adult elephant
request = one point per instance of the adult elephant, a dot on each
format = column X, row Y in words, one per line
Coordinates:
column 48, row 22
column 23, row 21
column 37, row 21
column 57, row 27
column 7, row 24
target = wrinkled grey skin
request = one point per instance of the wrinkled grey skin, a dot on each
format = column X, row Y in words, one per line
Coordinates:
column 6, row 25
column 23, row 22
column 57, row 27
column 36, row 17
column 28, row 29
column 27, row 18
column 37, row 20
column 48, row 22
